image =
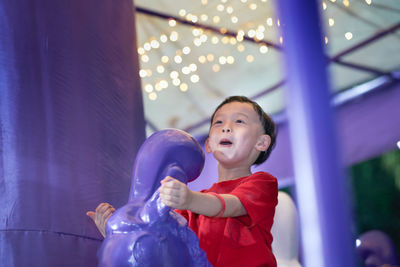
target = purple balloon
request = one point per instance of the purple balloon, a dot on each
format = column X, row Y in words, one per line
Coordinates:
column 145, row 232
column 376, row 249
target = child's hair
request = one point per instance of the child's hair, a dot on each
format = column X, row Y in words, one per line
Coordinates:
column 266, row 121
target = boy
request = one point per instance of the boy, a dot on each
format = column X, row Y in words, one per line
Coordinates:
column 233, row 218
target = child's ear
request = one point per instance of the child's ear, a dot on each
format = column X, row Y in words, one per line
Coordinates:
column 263, row 142
column 207, row 146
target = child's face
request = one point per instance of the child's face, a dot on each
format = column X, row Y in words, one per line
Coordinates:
column 236, row 135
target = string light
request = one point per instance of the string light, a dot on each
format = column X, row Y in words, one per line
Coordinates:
column 215, row 67
column 182, row 12
column 259, row 36
column 164, row 59
column 178, row 59
column 197, row 42
column 202, row 59
column 158, row 87
column 147, row 46
column 194, row 78
column 142, row 73
column 263, row 49
column 160, row 69
column 214, row 40
column 253, row 6
column 148, row 88
column 183, row 87
column 163, row 38
column 144, row 58
column 203, row 38
column 173, row 36
column 194, row 19
column 193, row 67
column 222, row 60
column 251, row 33
column 250, row 58
column 153, row 96
column 176, row 82
column 164, row 84
column 172, row 22
column 348, row 35
column 200, row 36
column 196, row 32
column 185, row 70
column 186, row 50
column 155, row 44
column 174, row 74
column 240, row 48
column 204, row 17
column 369, row 2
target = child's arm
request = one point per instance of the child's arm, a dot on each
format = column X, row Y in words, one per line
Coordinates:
column 101, row 216
column 177, row 195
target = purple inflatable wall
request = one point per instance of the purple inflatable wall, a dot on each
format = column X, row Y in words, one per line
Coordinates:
column 71, row 121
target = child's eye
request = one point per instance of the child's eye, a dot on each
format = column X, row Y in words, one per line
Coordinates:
column 217, row 122
column 239, row 121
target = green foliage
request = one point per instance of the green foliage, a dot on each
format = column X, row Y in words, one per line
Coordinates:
column 376, row 187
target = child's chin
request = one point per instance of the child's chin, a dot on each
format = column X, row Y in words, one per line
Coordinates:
column 223, row 157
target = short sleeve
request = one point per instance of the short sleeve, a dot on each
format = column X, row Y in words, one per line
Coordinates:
column 259, row 196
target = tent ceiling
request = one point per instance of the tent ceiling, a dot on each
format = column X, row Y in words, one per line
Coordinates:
column 204, row 65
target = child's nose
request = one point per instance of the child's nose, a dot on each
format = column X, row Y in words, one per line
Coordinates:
column 226, row 129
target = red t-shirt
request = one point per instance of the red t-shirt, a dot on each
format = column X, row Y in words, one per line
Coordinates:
column 244, row 240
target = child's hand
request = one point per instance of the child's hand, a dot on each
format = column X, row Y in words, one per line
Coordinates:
column 101, row 216
column 175, row 194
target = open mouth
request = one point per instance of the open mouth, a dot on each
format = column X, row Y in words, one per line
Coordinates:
column 225, row 142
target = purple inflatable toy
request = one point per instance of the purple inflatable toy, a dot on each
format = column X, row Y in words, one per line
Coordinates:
column 145, row 232
column 376, row 249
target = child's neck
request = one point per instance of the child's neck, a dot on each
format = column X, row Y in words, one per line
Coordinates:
column 225, row 174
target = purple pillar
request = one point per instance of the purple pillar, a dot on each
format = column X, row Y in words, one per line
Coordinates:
column 321, row 187
column 71, row 122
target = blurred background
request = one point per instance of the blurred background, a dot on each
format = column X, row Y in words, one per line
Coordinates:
column 193, row 54
column 83, row 83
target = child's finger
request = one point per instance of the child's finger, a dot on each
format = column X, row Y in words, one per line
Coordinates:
column 168, row 203
column 108, row 213
column 171, row 185
column 91, row 214
column 167, row 179
column 102, row 207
